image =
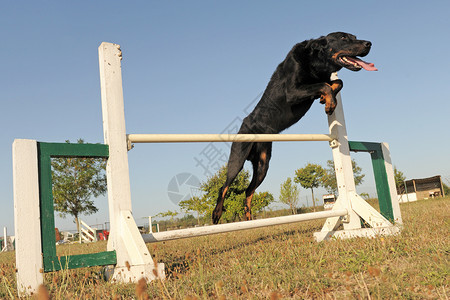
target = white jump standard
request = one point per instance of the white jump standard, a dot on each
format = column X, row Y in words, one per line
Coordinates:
column 127, row 251
column 118, row 174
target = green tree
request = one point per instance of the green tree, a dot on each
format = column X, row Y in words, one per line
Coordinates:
column 310, row 177
column 235, row 196
column 75, row 182
column 365, row 196
column 399, row 180
column 168, row 213
column 289, row 194
column 446, row 189
column 260, row 201
column 195, row 204
column 234, row 202
column 329, row 179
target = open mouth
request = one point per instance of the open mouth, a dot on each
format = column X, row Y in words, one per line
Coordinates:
column 357, row 63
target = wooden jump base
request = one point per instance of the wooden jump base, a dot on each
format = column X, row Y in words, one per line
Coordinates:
column 33, row 202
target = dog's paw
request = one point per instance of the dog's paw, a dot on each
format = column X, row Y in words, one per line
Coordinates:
column 326, row 98
column 329, row 110
column 330, row 106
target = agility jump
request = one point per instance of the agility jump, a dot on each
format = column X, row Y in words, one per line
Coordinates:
column 126, row 249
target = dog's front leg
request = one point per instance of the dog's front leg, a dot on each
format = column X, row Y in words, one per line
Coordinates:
column 329, row 99
column 325, row 91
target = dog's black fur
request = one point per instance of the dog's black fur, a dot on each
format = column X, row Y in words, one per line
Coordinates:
column 300, row 79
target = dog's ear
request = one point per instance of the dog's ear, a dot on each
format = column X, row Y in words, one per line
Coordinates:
column 318, row 44
column 299, row 50
column 309, row 47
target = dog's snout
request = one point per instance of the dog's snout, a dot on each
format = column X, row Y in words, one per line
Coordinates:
column 367, row 44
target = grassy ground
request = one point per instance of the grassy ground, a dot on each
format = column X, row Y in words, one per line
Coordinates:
column 279, row 262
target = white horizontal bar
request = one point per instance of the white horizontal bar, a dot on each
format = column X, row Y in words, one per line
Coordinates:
column 207, row 230
column 190, row 138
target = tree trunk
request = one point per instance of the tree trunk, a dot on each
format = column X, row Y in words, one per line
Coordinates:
column 292, row 207
column 77, row 221
column 313, row 200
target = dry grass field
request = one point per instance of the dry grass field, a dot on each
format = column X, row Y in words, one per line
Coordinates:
column 277, row 262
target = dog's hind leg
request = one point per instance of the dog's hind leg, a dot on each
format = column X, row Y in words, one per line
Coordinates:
column 260, row 166
column 238, row 155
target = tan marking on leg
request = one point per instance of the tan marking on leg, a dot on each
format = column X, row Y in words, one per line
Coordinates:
column 324, row 96
column 327, row 99
column 247, row 208
column 263, row 156
column 225, row 190
column 335, row 86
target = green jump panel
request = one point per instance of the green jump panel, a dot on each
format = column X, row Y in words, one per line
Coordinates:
column 379, row 170
column 45, row 152
column 57, row 263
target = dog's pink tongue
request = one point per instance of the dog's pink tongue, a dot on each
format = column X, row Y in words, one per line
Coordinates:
column 367, row 66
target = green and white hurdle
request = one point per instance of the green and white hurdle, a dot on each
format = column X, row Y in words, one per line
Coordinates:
column 126, row 249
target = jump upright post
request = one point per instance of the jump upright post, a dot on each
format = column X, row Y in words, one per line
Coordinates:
column 126, row 249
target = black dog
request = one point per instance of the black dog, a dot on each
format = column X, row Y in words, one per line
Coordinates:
column 300, row 79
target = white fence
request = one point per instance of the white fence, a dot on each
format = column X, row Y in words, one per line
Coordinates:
column 410, row 197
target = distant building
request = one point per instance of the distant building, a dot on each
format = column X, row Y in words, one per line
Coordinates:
column 423, row 188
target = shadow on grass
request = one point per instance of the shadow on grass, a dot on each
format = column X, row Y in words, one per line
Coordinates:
column 180, row 264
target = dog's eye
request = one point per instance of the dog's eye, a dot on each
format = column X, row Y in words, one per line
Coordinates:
column 344, row 38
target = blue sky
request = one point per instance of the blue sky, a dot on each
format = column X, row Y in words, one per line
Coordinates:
column 197, row 66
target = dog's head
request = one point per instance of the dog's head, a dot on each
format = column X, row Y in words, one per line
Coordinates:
column 342, row 50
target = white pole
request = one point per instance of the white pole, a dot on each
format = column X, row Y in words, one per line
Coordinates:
column 150, row 229
column 133, row 258
column 27, row 224
column 406, row 190
column 221, row 228
column 114, row 132
column 191, row 138
column 343, row 168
